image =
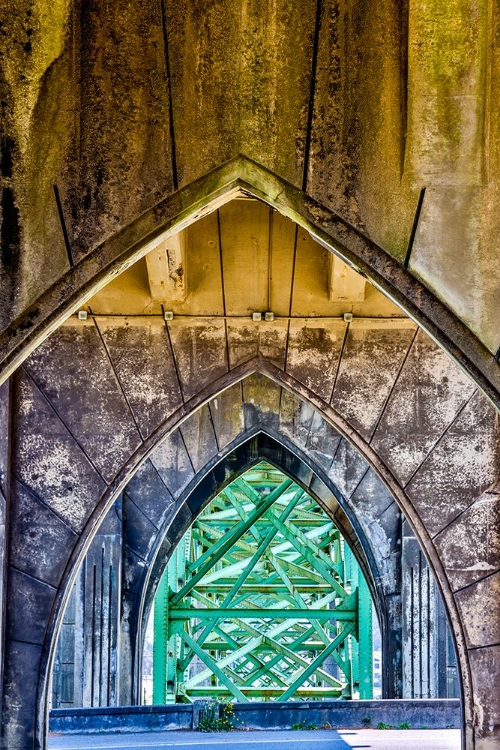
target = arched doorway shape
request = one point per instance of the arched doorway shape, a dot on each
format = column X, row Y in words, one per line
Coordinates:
column 244, row 176
column 299, row 464
column 374, row 543
column 39, row 395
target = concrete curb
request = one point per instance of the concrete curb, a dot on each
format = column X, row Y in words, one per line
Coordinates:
column 418, row 714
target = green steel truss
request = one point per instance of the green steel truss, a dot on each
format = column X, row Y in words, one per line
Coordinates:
column 262, row 599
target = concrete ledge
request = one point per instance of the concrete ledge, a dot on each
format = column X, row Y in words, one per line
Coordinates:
column 430, row 714
column 121, row 719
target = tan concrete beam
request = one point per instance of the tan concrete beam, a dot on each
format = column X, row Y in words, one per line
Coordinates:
column 167, row 269
column 344, row 284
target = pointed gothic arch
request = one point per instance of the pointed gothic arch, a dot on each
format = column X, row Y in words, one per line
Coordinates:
column 220, row 387
column 41, row 389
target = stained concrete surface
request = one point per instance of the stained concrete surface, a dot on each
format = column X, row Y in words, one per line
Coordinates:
column 60, row 469
column 368, row 739
column 362, row 104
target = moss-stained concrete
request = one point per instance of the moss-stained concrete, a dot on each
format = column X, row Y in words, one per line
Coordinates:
column 33, row 38
column 359, row 119
column 34, row 68
column 448, row 50
column 117, row 105
column 437, row 451
column 453, row 112
column 240, row 83
column 123, row 141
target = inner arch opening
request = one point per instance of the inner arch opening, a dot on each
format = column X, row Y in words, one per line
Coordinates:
column 262, row 599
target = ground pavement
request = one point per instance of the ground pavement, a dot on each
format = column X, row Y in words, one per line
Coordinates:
column 343, row 739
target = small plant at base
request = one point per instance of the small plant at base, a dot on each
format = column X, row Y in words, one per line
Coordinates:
column 211, row 721
column 228, row 718
column 310, row 726
column 381, row 725
column 366, row 720
column 298, row 725
column 404, row 725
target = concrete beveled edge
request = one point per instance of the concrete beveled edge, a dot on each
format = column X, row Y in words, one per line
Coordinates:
column 340, row 704
column 122, row 710
column 352, row 704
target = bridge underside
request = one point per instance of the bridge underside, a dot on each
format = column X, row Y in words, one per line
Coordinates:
column 127, row 559
column 225, row 191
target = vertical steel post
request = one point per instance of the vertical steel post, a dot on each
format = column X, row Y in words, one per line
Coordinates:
column 171, row 637
column 365, row 639
column 160, row 626
column 351, row 654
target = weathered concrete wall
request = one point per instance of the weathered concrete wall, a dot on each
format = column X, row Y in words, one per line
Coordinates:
column 361, row 105
column 76, row 430
column 451, row 121
column 437, row 714
column 121, row 719
column 103, row 113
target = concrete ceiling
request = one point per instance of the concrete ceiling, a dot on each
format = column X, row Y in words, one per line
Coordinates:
column 244, row 258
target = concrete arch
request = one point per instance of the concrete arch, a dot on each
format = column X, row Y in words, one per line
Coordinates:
column 112, row 155
column 354, row 521
column 67, row 504
column 244, row 176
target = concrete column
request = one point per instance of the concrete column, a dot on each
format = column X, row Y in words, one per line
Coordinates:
column 429, row 664
column 4, row 490
column 86, row 669
column 66, row 684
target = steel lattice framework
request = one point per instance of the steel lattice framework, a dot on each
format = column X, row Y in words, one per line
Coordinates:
column 262, row 599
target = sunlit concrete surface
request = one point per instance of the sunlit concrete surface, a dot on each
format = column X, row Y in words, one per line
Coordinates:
column 368, row 739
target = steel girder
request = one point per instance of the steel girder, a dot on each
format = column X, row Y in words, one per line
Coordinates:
column 262, row 599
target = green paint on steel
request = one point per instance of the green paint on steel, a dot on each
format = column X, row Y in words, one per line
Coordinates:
column 262, row 599
column 160, row 641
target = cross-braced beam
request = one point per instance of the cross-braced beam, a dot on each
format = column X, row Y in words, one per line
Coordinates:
column 262, row 599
